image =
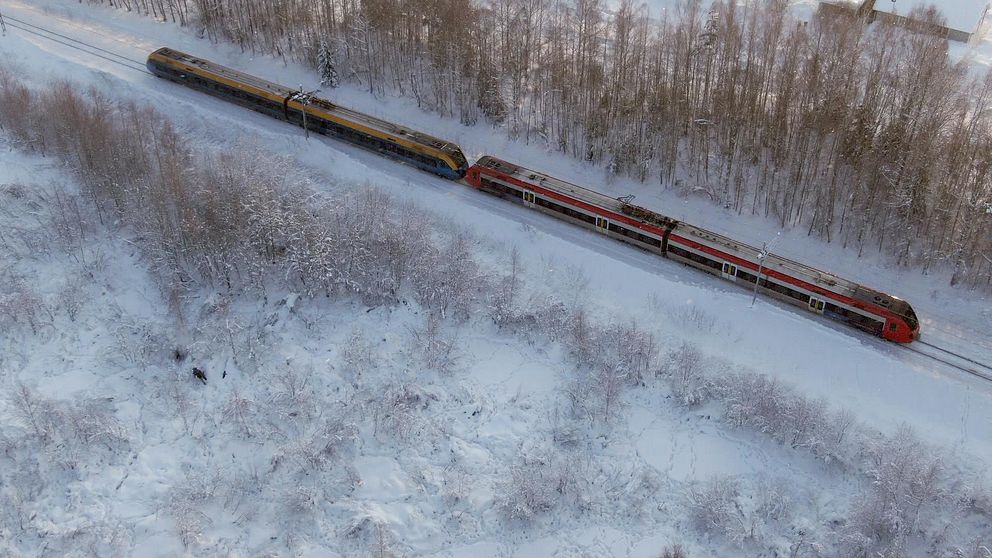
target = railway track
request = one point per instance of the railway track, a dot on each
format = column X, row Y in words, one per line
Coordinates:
column 950, row 358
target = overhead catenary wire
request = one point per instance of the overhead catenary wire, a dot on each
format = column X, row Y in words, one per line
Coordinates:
column 111, row 56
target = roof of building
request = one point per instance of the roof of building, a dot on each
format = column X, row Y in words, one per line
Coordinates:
column 963, row 15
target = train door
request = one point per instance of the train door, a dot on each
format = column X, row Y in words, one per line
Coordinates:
column 729, row 271
column 602, row 224
column 816, row 305
column 529, row 199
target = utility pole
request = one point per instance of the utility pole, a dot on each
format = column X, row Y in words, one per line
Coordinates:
column 303, row 97
column 3, row 27
column 765, row 246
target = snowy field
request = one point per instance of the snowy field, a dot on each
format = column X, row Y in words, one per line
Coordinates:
column 433, row 481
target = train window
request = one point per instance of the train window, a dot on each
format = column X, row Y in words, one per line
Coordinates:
column 882, row 301
column 730, row 269
column 529, row 197
column 500, row 189
column 782, row 289
column 857, row 320
column 634, row 234
column 550, row 205
column 578, row 215
column 694, row 257
column 602, row 224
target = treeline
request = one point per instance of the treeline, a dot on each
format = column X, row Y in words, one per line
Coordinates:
column 868, row 136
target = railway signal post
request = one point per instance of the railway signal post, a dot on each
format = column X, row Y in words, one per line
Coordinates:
column 303, row 97
column 761, row 264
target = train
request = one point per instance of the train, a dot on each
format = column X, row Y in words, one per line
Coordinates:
column 798, row 284
column 813, row 290
column 321, row 116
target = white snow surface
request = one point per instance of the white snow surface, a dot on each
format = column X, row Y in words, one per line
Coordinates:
column 500, row 395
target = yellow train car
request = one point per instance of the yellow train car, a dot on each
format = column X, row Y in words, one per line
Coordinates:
column 426, row 152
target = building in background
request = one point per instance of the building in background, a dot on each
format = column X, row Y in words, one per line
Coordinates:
column 963, row 20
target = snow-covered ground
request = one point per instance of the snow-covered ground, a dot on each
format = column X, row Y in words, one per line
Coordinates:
column 436, row 486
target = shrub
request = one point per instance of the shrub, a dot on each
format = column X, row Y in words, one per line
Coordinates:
column 714, row 509
column 534, row 485
column 684, row 369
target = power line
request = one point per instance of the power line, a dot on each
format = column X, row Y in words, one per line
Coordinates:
column 68, row 38
column 123, row 60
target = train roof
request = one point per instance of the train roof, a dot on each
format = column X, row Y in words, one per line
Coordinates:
column 790, row 267
column 578, row 192
column 324, row 104
column 744, row 251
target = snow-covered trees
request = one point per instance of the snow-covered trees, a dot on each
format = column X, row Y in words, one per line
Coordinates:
column 535, row 485
column 502, row 299
column 905, row 486
column 685, row 372
column 610, row 359
column 433, row 346
column 20, row 303
column 674, row 551
column 446, row 281
column 70, row 431
column 186, row 503
column 398, row 411
column 374, row 535
column 325, row 66
column 714, row 509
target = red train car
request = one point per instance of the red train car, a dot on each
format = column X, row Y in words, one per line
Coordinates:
column 800, row 285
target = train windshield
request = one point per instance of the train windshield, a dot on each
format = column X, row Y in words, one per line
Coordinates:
column 459, row 159
column 906, row 311
column 911, row 319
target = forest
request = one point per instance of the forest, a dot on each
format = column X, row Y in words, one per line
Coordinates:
column 869, row 136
